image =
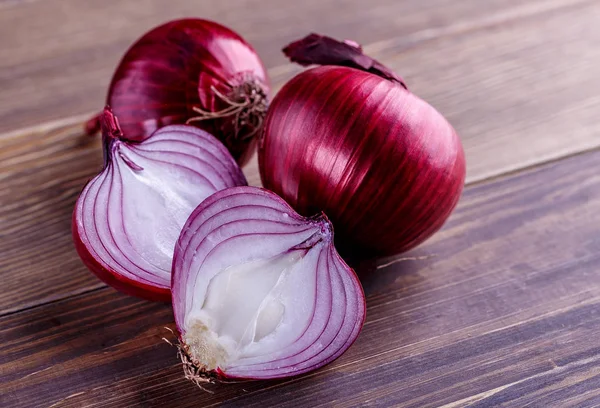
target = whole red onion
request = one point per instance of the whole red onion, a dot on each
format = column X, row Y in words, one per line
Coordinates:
column 127, row 219
column 349, row 139
column 191, row 71
column 260, row 292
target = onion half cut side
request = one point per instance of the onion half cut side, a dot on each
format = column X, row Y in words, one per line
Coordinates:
column 259, row 292
column 128, row 218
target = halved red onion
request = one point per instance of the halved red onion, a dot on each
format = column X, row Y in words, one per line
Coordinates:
column 127, row 219
column 259, row 291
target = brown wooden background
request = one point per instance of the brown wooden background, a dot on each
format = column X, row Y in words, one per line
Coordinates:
column 505, row 311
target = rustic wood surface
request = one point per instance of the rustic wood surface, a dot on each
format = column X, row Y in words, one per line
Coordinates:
column 505, row 311
column 57, row 56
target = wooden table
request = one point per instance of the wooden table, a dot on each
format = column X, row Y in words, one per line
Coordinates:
column 503, row 310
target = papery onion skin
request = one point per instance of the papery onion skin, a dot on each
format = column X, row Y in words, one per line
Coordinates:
column 177, row 67
column 384, row 165
column 198, row 242
column 105, row 269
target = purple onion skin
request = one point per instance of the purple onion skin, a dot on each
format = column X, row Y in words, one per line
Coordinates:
column 384, row 165
column 172, row 69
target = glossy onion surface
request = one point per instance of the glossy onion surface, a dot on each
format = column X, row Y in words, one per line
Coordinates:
column 259, row 291
column 177, row 67
column 384, row 165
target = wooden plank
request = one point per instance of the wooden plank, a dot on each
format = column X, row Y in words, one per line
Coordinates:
column 518, row 93
column 504, row 311
column 41, row 177
column 57, row 56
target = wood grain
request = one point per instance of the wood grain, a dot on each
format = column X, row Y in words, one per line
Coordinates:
column 506, row 310
column 519, row 85
column 57, row 56
column 518, row 93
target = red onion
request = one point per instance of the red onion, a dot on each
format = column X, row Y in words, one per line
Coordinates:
column 259, row 291
column 191, row 71
column 127, row 219
column 349, row 139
